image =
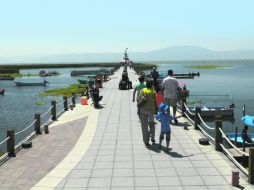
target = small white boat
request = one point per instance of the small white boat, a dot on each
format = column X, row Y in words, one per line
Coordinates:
column 211, row 111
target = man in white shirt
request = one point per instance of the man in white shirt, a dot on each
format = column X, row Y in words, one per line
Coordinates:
column 170, row 88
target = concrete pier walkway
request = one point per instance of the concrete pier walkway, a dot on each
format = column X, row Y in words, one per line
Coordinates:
column 103, row 149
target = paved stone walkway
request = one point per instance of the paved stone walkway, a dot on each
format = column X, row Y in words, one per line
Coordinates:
column 31, row 165
column 110, row 154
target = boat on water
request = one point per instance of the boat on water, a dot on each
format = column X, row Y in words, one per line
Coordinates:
column 239, row 139
column 2, row 91
column 7, row 78
column 83, row 81
column 211, row 111
column 44, row 83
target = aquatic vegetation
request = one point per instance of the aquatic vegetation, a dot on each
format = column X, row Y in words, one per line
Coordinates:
column 40, row 103
column 17, row 75
column 140, row 67
column 67, row 91
column 206, row 66
column 193, row 102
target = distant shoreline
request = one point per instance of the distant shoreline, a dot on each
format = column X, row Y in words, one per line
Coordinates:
column 56, row 65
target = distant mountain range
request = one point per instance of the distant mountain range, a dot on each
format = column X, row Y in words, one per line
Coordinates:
column 166, row 54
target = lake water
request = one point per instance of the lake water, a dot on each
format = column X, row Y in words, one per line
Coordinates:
column 235, row 81
column 19, row 104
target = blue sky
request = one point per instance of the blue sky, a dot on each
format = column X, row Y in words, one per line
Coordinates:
column 44, row 27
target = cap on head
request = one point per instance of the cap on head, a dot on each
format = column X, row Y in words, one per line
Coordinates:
column 163, row 108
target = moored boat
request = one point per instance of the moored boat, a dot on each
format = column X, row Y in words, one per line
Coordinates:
column 7, row 78
column 83, row 81
column 44, row 83
column 211, row 111
column 239, row 139
column 2, row 91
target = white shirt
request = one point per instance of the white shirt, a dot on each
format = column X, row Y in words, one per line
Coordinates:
column 170, row 86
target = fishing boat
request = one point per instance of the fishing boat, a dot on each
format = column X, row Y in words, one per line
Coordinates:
column 211, row 111
column 7, row 78
column 44, row 83
column 239, row 139
column 2, row 91
column 83, row 81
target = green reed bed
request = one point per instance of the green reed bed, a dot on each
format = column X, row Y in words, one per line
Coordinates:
column 78, row 89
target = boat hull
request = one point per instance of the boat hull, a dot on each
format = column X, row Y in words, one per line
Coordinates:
column 239, row 139
column 30, row 84
column 225, row 111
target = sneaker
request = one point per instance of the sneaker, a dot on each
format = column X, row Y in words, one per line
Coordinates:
column 153, row 141
column 176, row 121
column 147, row 144
column 159, row 147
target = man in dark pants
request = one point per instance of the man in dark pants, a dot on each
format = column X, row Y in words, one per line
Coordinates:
column 155, row 75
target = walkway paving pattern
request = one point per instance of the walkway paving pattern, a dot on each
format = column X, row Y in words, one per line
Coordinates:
column 110, row 154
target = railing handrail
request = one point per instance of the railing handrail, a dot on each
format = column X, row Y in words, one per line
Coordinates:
column 235, row 161
column 225, row 137
column 47, row 112
column 188, row 110
column 26, row 128
column 4, row 140
column 208, row 127
column 60, row 102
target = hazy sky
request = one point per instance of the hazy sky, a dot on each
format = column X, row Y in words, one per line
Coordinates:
column 41, row 27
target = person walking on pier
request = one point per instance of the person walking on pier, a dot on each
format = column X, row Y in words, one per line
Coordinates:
column 138, row 87
column 155, row 75
column 165, row 119
column 170, row 89
column 147, row 106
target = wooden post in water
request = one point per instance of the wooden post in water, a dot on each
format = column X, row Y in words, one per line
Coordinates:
column 53, row 110
column 11, row 143
column 37, row 125
column 251, row 166
column 218, row 135
column 65, row 103
column 196, row 118
column 73, row 99
column 183, row 106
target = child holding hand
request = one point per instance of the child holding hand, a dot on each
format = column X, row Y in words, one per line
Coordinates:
column 165, row 119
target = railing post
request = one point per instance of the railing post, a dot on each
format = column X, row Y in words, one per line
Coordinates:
column 11, row 142
column 218, row 135
column 53, row 110
column 65, row 103
column 73, row 99
column 37, row 125
column 183, row 106
column 196, row 118
column 251, row 166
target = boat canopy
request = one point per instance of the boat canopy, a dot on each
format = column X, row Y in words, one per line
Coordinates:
column 248, row 120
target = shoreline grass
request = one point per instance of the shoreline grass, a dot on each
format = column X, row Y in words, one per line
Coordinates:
column 78, row 89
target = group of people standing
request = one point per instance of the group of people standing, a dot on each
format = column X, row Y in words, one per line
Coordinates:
column 147, row 106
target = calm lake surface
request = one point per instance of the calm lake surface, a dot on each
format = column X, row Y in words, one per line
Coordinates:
column 235, row 82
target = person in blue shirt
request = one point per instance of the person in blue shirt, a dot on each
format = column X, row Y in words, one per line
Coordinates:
column 165, row 119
